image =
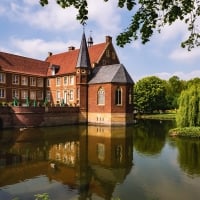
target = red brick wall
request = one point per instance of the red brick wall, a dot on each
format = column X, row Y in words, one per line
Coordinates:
column 40, row 116
column 92, row 98
column 109, row 99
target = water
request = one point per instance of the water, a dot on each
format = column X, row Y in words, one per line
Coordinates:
column 78, row 162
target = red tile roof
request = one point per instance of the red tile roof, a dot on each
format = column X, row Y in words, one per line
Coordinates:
column 67, row 60
column 20, row 64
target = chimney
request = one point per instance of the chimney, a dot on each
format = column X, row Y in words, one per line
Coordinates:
column 71, row 48
column 108, row 39
column 50, row 54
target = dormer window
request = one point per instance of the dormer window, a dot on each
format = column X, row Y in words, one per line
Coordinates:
column 54, row 69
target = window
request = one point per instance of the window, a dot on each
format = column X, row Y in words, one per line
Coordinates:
column 118, row 96
column 15, row 93
column 24, row 80
column 2, row 93
column 71, row 95
column 15, row 79
column 24, row 94
column 48, row 82
column 65, row 80
column 48, row 96
column 2, row 78
column 101, row 97
column 32, row 81
column 33, row 95
column 58, row 81
column 39, row 95
column 71, row 80
column 58, row 96
column 40, row 82
column 108, row 53
column 130, row 96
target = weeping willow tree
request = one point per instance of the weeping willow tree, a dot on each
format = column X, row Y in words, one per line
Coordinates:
column 189, row 107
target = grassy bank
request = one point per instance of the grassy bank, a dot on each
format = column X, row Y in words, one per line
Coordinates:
column 160, row 116
column 193, row 132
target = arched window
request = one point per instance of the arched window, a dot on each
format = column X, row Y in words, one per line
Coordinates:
column 118, row 96
column 101, row 96
column 130, row 96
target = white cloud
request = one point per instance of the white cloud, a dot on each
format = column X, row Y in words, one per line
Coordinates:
column 38, row 48
column 172, row 32
column 167, row 75
column 183, row 55
column 181, row 75
column 105, row 15
column 51, row 17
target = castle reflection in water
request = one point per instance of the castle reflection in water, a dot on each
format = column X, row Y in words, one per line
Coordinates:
column 91, row 159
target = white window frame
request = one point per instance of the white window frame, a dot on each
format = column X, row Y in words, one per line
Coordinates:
column 24, row 80
column 32, row 81
column 58, row 95
column 15, row 79
column 24, row 94
column 71, row 95
column 65, row 80
column 2, row 93
column 58, row 81
column 2, row 78
column 15, row 93
column 101, row 96
column 71, row 80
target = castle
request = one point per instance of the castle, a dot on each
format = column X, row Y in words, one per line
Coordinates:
column 90, row 78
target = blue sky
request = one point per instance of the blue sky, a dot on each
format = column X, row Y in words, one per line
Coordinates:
column 31, row 30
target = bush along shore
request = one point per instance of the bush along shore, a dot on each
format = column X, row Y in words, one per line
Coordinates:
column 193, row 132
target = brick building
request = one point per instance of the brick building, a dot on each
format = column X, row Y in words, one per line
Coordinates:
column 90, row 78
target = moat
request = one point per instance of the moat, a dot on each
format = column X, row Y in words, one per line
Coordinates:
column 93, row 162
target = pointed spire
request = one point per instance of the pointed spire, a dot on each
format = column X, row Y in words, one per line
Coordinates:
column 83, row 57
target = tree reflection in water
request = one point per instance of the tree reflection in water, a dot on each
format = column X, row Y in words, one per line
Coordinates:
column 188, row 155
column 150, row 136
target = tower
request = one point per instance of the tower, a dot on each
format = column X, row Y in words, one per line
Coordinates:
column 83, row 69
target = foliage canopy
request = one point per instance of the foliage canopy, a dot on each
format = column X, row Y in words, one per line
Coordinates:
column 148, row 17
column 188, row 114
column 149, row 94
